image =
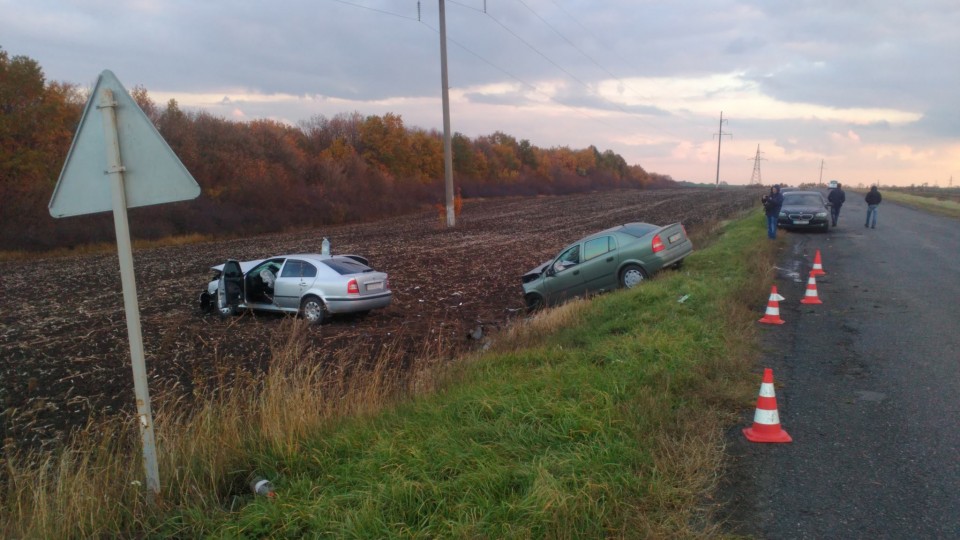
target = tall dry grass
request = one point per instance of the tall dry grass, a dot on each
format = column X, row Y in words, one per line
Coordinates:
column 93, row 486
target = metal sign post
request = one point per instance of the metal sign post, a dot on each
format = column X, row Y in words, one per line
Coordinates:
column 149, row 173
column 115, row 169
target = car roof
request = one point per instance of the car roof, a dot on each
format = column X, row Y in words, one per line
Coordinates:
column 806, row 193
column 245, row 266
column 619, row 229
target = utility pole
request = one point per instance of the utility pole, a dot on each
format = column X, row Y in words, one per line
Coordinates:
column 447, row 146
column 756, row 168
column 719, row 137
column 820, row 184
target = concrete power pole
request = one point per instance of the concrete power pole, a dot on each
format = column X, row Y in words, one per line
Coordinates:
column 447, row 146
column 719, row 137
column 755, row 177
column 820, row 184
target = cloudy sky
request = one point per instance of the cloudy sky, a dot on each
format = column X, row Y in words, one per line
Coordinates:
column 869, row 89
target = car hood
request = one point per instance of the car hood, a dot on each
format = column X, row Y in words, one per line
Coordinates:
column 535, row 273
column 802, row 208
column 245, row 266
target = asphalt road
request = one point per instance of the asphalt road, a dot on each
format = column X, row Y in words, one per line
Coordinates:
column 867, row 384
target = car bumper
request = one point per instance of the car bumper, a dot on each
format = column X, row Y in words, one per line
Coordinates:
column 353, row 305
column 814, row 223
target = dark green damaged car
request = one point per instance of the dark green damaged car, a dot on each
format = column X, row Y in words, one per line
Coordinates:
column 622, row 256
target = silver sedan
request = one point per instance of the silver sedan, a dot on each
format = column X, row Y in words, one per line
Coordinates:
column 313, row 285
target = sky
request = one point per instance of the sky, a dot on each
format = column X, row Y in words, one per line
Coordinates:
column 861, row 91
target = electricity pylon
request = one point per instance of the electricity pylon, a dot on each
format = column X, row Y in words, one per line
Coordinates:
column 755, row 178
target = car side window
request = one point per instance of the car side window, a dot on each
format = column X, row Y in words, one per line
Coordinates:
column 297, row 269
column 292, row 269
column 568, row 258
column 597, row 247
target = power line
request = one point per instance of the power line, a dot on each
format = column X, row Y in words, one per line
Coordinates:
column 368, row 8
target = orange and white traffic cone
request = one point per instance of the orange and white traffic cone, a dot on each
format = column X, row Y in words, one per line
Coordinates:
column 810, row 297
column 766, row 421
column 772, row 315
column 818, row 265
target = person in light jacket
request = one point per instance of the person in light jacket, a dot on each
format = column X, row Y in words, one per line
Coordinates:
column 873, row 199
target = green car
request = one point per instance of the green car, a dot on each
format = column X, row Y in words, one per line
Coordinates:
column 622, row 256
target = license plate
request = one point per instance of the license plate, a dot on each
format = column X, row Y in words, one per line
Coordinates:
column 674, row 238
column 801, row 222
column 377, row 286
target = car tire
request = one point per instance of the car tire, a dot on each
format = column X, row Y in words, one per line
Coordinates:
column 313, row 310
column 631, row 276
column 534, row 302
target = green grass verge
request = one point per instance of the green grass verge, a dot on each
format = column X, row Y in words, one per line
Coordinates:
column 596, row 419
column 929, row 203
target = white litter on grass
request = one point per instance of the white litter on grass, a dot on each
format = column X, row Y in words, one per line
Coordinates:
column 683, row 298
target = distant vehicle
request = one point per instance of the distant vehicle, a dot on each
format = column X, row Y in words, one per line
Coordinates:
column 315, row 286
column 804, row 210
column 623, row 256
column 832, row 184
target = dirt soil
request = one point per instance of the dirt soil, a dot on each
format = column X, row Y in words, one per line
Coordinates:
column 64, row 353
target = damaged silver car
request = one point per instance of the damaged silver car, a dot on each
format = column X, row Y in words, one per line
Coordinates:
column 315, row 286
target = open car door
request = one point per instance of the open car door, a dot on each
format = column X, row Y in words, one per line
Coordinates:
column 230, row 288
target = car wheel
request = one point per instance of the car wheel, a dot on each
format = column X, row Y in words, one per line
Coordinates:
column 631, row 276
column 534, row 302
column 206, row 302
column 313, row 310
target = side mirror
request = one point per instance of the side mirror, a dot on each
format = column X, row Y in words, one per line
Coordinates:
column 550, row 271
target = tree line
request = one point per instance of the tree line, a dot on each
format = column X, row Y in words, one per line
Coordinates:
column 265, row 176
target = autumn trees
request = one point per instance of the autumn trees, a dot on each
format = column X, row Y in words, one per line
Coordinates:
column 263, row 175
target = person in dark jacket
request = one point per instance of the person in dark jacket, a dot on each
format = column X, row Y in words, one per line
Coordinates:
column 836, row 197
column 873, row 199
column 771, row 205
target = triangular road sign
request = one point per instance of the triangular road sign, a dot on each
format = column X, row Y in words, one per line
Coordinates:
column 152, row 173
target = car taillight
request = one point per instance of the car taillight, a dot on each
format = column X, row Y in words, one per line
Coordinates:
column 657, row 243
column 353, row 287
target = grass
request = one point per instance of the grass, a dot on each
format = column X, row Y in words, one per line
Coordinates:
column 594, row 419
column 944, row 207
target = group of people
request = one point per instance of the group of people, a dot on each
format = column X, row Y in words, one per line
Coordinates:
column 773, row 201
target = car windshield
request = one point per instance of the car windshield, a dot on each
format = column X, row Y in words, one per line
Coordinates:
column 802, row 199
column 345, row 266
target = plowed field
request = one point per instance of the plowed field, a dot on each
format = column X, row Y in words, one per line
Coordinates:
column 64, row 355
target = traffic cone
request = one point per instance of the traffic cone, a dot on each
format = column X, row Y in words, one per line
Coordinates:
column 818, row 265
column 766, row 420
column 772, row 315
column 810, row 297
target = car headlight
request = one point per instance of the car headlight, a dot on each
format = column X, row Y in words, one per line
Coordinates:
column 783, row 214
column 821, row 214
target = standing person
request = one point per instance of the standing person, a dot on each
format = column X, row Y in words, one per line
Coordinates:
column 873, row 199
column 771, row 205
column 836, row 197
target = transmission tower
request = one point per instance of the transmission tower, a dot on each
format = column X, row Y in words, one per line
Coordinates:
column 755, row 178
column 719, row 137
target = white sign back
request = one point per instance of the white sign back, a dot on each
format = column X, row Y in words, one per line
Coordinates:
column 152, row 172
